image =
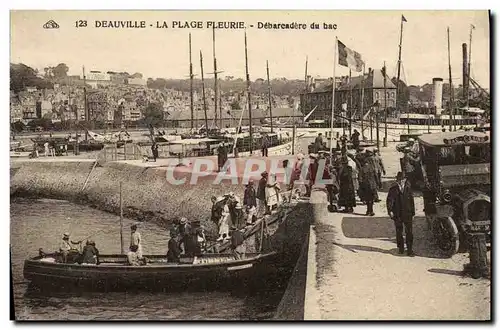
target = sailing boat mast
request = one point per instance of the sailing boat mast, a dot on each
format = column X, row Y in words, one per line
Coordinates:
column 269, row 92
column 248, row 96
column 451, row 113
column 216, row 79
column 191, row 84
column 305, row 92
column 203, row 93
column 85, row 106
column 468, row 67
column 399, row 72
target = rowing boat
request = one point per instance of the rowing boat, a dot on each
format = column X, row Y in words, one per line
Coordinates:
column 210, row 270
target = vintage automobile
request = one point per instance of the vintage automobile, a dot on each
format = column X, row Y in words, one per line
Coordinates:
column 455, row 169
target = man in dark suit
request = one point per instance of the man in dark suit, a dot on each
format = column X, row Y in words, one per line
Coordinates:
column 401, row 209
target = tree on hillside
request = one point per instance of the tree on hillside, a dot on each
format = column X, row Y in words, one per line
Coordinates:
column 60, row 71
column 153, row 117
column 22, row 76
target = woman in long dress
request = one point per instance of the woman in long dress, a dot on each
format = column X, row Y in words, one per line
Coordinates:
column 272, row 192
column 224, row 222
column 347, row 195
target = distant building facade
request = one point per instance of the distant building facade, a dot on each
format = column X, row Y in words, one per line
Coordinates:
column 348, row 95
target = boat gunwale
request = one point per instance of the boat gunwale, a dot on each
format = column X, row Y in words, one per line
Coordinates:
column 36, row 262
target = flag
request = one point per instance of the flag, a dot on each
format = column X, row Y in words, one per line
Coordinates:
column 403, row 18
column 350, row 58
column 473, row 27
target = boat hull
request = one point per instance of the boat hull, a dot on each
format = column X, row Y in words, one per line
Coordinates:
column 115, row 274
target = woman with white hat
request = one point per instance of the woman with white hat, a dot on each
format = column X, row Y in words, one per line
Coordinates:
column 224, row 221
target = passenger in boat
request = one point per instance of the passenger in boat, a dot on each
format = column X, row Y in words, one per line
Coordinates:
column 135, row 251
column 272, row 192
column 237, row 246
column 217, row 207
column 68, row 250
column 236, row 210
column 261, row 196
column 174, row 250
column 90, row 254
column 250, row 202
column 191, row 242
column 224, row 222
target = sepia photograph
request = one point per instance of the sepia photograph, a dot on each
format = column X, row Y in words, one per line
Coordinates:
column 250, row 165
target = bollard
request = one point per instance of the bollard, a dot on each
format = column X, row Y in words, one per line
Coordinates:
column 385, row 142
column 478, row 266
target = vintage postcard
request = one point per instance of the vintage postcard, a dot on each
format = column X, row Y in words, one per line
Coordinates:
column 250, row 165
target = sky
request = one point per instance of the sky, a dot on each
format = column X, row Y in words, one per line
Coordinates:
column 164, row 52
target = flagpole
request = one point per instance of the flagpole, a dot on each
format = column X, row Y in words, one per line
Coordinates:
column 333, row 93
column 399, row 75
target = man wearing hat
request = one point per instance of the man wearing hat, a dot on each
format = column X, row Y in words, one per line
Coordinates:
column 67, row 248
column 401, row 209
column 380, row 164
column 261, row 196
column 237, row 246
column 311, row 173
column 135, row 250
column 174, row 250
column 355, row 139
column 408, row 163
column 235, row 209
column 250, row 202
column 90, row 253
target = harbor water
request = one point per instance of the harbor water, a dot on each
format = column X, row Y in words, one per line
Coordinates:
column 40, row 224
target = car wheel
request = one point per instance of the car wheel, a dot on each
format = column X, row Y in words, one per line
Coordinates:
column 447, row 235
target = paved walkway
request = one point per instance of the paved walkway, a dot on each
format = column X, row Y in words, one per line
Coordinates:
column 356, row 273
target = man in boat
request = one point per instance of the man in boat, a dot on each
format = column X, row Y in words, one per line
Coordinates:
column 250, row 202
column 90, row 254
column 68, row 250
column 174, row 250
column 236, row 210
column 237, row 246
column 191, row 232
column 135, row 251
column 261, row 196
